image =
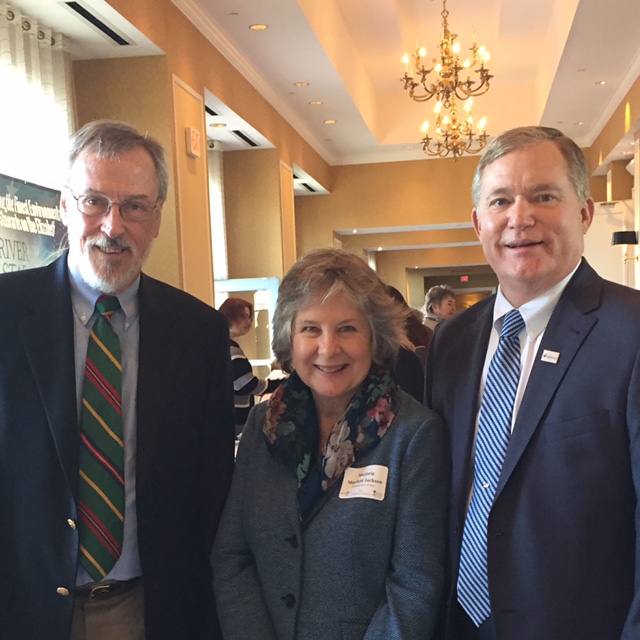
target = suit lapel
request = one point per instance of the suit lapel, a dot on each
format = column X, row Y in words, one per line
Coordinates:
column 158, row 351
column 47, row 331
column 471, row 347
column 565, row 334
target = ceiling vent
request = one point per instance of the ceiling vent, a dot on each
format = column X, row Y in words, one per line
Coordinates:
column 245, row 138
column 97, row 23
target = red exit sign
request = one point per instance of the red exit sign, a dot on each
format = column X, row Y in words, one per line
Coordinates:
column 464, row 278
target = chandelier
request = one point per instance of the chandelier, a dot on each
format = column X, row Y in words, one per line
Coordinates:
column 454, row 136
column 449, row 80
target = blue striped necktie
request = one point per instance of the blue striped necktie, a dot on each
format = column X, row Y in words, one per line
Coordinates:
column 494, row 429
column 101, row 488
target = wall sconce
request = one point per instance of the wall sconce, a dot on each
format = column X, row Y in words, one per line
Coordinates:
column 625, row 238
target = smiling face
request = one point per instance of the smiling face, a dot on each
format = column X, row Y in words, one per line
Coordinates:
column 331, row 351
column 109, row 251
column 530, row 220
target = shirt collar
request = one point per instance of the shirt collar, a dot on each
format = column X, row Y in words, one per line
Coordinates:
column 535, row 313
column 83, row 298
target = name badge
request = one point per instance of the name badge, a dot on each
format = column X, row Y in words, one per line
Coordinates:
column 550, row 356
column 365, row 482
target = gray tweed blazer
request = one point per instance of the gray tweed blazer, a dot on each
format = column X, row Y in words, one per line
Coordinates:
column 356, row 568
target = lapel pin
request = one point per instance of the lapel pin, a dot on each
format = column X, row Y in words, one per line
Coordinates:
column 550, row 356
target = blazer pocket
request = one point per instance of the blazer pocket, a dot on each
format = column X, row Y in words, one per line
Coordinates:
column 577, row 426
column 352, row 630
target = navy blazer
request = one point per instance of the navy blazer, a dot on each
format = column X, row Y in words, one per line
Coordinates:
column 563, row 529
column 184, row 455
column 355, row 568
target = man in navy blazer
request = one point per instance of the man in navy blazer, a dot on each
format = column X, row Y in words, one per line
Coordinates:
column 177, row 407
column 563, row 531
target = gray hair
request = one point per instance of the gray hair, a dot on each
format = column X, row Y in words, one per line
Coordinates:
column 522, row 137
column 436, row 295
column 326, row 272
column 110, row 139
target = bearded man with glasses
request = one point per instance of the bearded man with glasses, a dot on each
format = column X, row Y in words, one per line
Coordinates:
column 168, row 425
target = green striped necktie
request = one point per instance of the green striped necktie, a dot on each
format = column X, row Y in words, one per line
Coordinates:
column 101, row 487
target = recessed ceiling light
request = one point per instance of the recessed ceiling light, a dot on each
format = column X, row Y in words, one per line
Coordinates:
column 218, row 125
column 315, row 103
column 379, row 248
column 578, row 124
column 355, row 231
column 330, row 121
column 601, row 82
column 300, row 84
column 258, row 27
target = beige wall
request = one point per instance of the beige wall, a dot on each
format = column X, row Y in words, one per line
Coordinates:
column 252, row 212
column 194, row 226
column 623, row 120
column 384, row 195
column 392, row 265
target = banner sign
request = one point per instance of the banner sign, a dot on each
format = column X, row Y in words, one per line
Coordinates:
column 31, row 232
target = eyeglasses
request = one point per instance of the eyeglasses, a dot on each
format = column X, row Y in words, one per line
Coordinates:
column 131, row 209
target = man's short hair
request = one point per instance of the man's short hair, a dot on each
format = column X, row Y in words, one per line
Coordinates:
column 109, row 139
column 522, row 137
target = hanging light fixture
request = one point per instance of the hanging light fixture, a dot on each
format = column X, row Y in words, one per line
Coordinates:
column 454, row 136
column 449, row 80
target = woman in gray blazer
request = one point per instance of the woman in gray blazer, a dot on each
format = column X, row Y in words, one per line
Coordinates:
column 334, row 527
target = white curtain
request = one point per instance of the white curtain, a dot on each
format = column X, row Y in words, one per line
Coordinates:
column 36, row 115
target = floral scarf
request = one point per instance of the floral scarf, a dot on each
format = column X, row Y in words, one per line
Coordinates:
column 292, row 431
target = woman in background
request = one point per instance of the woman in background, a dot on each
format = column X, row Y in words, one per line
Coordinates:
column 246, row 385
column 420, row 338
column 439, row 305
column 334, row 527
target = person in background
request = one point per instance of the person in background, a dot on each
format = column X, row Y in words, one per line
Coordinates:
column 116, row 425
column 439, row 305
column 334, row 524
column 417, row 333
column 540, row 388
column 411, row 359
column 246, row 385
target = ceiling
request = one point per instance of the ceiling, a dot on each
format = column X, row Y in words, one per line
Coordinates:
column 547, row 58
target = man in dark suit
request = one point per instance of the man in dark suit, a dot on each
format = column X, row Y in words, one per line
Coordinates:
column 556, row 551
column 176, row 418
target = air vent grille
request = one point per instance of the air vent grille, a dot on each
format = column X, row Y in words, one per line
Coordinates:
column 96, row 22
